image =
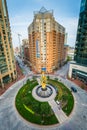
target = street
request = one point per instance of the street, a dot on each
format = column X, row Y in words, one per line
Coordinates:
column 11, row 120
column 25, row 69
column 62, row 72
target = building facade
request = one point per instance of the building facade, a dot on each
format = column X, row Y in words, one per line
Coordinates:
column 7, row 61
column 46, row 42
column 17, row 51
column 79, row 69
column 81, row 40
column 71, row 51
column 68, row 52
column 25, row 50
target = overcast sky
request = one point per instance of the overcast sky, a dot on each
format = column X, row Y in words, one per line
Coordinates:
column 66, row 12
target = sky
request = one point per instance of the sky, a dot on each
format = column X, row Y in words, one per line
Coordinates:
column 21, row 14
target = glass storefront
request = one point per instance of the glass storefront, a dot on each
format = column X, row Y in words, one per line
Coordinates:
column 76, row 74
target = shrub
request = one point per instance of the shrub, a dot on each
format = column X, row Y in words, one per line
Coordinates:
column 31, row 109
column 56, row 78
column 28, row 81
column 48, row 77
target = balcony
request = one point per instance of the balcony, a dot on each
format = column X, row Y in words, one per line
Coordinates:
column 3, row 65
column 4, row 71
column 2, row 58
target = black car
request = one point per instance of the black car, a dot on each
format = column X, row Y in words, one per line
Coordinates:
column 73, row 89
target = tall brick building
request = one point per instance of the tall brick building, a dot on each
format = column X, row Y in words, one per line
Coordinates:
column 46, row 41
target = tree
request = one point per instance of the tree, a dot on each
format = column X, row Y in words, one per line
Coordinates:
column 45, row 109
column 68, row 58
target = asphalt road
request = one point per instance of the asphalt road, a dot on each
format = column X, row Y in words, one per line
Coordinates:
column 63, row 71
column 11, row 120
column 25, row 68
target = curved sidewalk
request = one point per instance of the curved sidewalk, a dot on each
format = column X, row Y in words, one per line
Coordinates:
column 43, row 99
column 11, row 120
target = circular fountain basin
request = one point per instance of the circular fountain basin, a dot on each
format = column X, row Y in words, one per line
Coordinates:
column 41, row 94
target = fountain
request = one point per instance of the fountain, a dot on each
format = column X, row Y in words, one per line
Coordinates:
column 44, row 90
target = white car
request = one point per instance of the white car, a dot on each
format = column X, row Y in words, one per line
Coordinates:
column 58, row 102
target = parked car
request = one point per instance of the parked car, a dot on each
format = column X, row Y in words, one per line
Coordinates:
column 58, row 102
column 73, row 89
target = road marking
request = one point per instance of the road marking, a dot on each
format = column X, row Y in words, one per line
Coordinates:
column 84, row 104
column 81, row 104
column 1, row 97
column 81, row 92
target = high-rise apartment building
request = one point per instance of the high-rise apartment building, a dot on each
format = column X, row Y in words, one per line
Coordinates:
column 7, row 61
column 81, row 40
column 46, row 42
column 79, row 68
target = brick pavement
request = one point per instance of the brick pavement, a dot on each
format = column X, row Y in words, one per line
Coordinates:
column 79, row 83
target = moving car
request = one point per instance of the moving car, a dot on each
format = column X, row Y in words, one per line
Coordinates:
column 73, row 89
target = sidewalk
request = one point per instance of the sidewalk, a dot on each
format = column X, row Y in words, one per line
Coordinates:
column 79, row 83
column 19, row 77
column 60, row 115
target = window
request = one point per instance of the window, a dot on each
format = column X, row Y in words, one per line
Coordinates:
column 0, row 16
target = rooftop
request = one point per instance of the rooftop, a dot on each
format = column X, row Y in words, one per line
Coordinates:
column 43, row 10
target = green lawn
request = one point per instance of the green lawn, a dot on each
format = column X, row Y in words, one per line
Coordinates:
column 64, row 96
column 31, row 109
column 40, row 112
